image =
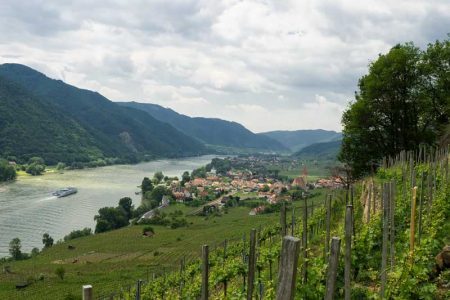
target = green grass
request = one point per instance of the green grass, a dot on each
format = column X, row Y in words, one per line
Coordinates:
column 118, row 258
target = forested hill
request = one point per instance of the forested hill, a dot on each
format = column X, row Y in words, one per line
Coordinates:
column 327, row 150
column 40, row 116
column 298, row 139
column 209, row 130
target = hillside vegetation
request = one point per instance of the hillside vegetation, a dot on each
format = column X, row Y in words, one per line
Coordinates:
column 298, row 139
column 59, row 122
column 211, row 131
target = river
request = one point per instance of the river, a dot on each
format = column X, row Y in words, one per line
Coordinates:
column 28, row 209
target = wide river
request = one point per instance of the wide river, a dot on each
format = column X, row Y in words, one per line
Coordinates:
column 28, row 209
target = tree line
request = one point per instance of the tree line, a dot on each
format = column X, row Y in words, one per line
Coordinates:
column 403, row 102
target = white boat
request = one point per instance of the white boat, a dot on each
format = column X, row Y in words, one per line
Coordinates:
column 65, row 192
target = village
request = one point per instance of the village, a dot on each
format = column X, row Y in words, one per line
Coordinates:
column 241, row 179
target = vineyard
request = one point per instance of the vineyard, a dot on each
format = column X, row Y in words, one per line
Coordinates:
column 376, row 239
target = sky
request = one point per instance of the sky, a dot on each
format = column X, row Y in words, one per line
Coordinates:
column 269, row 65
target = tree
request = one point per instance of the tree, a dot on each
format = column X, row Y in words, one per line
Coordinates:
column 127, row 205
column 401, row 103
column 158, row 193
column 47, row 240
column 35, row 169
column 146, row 185
column 185, row 178
column 158, row 177
column 34, row 251
column 15, row 247
column 7, row 171
column 110, row 218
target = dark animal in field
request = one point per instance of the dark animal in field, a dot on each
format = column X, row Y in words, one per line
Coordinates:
column 70, row 247
column 22, row 285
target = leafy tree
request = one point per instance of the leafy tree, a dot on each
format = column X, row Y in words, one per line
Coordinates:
column 78, row 233
column 158, row 192
column 146, row 185
column 127, row 205
column 36, row 160
column 185, row 178
column 199, row 173
column 47, row 240
column 15, row 247
column 35, row 169
column 402, row 102
column 158, row 177
column 7, row 171
column 34, row 252
column 265, row 188
column 110, row 218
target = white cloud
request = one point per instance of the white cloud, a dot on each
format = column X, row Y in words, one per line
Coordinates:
column 266, row 64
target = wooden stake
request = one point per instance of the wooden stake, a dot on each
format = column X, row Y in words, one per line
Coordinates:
column 413, row 221
column 348, row 249
column 385, row 241
column 205, row 272
column 333, row 263
column 328, row 223
column 288, row 268
column 251, row 265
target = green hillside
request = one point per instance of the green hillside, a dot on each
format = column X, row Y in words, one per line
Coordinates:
column 298, row 139
column 210, row 131
column 70, row 120
column 323, row 151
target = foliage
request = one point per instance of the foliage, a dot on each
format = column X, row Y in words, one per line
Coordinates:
column 61, row 123
column 77, row 234
column 208, row 130
column 110, row 218
column 15, row 247
column 47, row 240
column 7, row 171
column 401, row 103
column 158, row 177
column 146, row 185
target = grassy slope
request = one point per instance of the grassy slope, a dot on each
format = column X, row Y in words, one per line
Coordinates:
column 118, row 258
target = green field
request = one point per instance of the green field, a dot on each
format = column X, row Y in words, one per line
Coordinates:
column 115, row 260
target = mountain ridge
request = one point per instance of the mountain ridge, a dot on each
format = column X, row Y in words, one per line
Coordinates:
column 115, row 131
column 295, row 140
column 211, row 131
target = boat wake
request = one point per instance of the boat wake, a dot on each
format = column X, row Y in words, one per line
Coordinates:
column 47, row 199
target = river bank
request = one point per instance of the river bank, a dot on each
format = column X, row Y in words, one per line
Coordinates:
column 28, row 209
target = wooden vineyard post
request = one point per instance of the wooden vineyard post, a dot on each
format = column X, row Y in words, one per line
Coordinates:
column 138, row 289
column 87, row 292
column 283, row 220
column 348, row 249
column 413, row 221
column 251, row 265
column 333, row 263
column 422, row 179
column 305, row 241
column 288, row 268
column 293, row 222
column 385, row 240
column 205, row 272
column 328, row 223
column 392, row 221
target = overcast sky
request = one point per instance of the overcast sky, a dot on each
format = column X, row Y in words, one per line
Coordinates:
column 266, row 64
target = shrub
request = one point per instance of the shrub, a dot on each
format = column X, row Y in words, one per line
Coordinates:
column 60, row 272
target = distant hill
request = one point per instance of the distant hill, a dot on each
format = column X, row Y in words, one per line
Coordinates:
column 323, row 151
column 49, row 118
column 213, row 132
column 298, row 139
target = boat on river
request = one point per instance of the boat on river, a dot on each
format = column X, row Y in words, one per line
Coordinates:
column 65, row 192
